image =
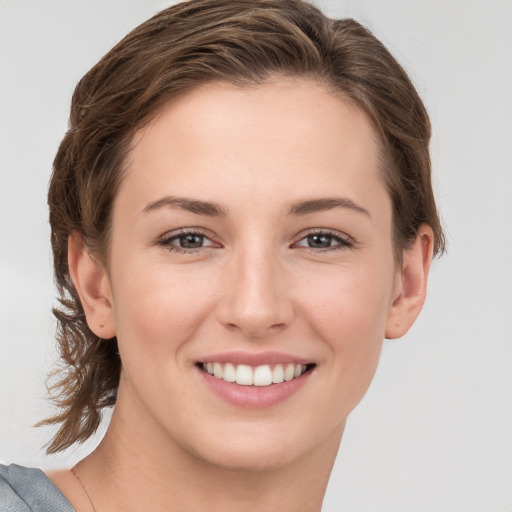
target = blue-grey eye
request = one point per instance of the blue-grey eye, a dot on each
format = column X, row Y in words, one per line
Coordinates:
column 319, row 241
column 187, row 241
column 322, row 240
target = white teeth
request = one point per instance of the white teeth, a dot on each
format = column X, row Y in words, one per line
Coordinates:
column 278, row 374
column 229, row 372
column 289, row 373
column 217, row 370
column 262, row 376
column 299, row 370
column 245, row 375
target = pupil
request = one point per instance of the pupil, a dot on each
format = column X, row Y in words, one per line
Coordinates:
column 319, row 241
column 191, row 241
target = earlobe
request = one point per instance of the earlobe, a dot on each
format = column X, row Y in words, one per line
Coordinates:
column 92, row 284
column 411, row 285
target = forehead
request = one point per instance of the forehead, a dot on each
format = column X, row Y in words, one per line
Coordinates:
column 288, row 135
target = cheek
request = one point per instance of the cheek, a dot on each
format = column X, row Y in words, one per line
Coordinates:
column 347, row 311
column 157, row 311
column 349, row 303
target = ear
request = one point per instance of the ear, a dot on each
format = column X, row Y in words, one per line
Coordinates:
column 411, row 284
column 92, row 283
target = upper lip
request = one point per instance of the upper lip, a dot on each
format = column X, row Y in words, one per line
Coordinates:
column 254, row 359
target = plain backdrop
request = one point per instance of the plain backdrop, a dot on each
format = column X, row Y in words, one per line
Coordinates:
column 434, row 432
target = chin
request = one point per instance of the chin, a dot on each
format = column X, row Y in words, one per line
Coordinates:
column 262, row 448
column 246, row 456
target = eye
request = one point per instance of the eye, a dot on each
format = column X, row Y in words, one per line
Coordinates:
column 322, row 240
column 186, row 242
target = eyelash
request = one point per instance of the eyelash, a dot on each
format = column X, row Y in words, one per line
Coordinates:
column 343, row 242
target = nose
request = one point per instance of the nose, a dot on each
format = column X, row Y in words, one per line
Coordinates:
column 255, row 298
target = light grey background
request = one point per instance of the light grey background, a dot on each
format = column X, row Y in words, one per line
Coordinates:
column 434, row 431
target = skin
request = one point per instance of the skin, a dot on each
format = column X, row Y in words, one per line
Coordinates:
column 255, row 286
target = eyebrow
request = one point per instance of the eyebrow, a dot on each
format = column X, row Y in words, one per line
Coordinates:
column 190, row 205
column 215, row 210
column 323, row 204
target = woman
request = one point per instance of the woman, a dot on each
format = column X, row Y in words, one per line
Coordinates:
column 241, row 211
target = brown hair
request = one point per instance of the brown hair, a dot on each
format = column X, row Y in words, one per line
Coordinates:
column 237, row 41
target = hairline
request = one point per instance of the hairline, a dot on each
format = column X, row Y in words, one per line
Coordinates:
column 132, row 138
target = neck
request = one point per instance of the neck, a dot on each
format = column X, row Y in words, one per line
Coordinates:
column 134, row 471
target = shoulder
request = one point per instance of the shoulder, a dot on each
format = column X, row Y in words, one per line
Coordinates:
column 29, row 490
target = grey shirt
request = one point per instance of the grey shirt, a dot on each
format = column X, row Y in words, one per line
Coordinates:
column 29, row 490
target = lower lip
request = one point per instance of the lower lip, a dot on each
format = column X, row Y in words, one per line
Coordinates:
column 254, row 397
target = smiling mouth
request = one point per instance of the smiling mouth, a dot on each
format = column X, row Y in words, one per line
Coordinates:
column 263, row 375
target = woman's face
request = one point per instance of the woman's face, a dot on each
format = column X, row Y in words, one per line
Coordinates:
column 252, row 231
